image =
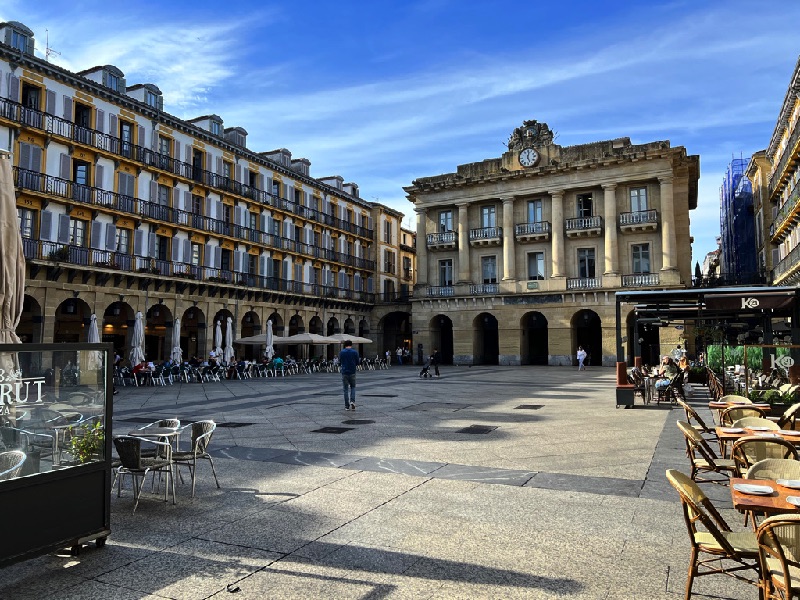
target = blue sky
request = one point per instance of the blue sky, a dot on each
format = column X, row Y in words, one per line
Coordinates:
column 384, row 92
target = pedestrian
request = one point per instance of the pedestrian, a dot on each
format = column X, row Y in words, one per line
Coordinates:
column 348, row 361
column 399, row 353
column 581, row 356
column 388, row 359
column 436, row 359
column 420, row 354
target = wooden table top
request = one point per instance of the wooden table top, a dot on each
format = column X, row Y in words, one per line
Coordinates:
column 722, row 405
column 725, row 435
column 775, row 503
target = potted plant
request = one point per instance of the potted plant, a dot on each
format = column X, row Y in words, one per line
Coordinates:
column 86, row 444
column 59, row 254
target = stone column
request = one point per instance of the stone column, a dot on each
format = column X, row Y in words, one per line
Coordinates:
column 668, row 242
column 422, row 246
column 557, row 233
column 509, row 251
column 610, row 210
column 463, row 244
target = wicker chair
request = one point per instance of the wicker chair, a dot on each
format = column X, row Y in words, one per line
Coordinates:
column 11, row 464
column 745, row 422
column 735, row 398
column 201, row 438
column 699, row 424
column 734, row 413
column 749, row 450
column 129, row 450
column 172, row 423
column 778, row 540
column 775, row 468
column 788, row 419
column 715, row 538
column 702, row 457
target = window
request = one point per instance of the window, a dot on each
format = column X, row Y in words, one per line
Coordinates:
column 162, row 247
column 536, row 266
column 584, row 205
column 387, row 231
column 163, row 195
column 252, row 179
column 196, row 255
column 446, row 272
column 164, row 145
column 83, row 115
column 25, row 216
column 389, row 262
column 80, row 172
column 30, row 96
column 226, row 169
column 123, row 241
column 388, row 289
column 640, row 258
column 126, row 138
column 197, row 204
column 446, row 221
column 489, row 269
column 19, row 41
column 77, row 232
column 638, row 199
column 586, row 263
column 151, row 99
column 112, row 81
column 534, row 211
column 298, row 196
column 215, row 128
column 276, row 188
column 225, row 263
column 488, row 216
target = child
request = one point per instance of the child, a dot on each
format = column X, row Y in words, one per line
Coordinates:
column 426, row 368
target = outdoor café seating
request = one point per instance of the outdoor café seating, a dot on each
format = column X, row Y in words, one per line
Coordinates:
column 11, row 462
column 778, row 540
column 702, row 457
column 134, row 464
column 733, row 413
column 201, row 438
column 693, row 418
column 716, row 548
column 756, row 423
column 788, row 419
column 749, row 450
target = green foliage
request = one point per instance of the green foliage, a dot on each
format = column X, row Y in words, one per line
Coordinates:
column 87, row 442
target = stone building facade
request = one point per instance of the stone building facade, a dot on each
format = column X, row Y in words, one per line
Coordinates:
column 124, row 209
column 519, row 256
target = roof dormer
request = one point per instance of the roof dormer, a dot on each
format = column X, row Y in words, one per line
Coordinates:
column 236, row 136
column 107, row 75
column 281, row 156
column 16, row 35
column 301, row 165
column 351, row 188
column 211, row 123
column 335, row 181
column 147, row 93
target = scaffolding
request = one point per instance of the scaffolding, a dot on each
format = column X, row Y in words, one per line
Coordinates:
column 738, row 259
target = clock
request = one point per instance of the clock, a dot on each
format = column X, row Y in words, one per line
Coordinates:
column 528, row 157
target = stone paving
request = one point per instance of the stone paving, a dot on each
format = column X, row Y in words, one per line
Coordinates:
column 561, row 496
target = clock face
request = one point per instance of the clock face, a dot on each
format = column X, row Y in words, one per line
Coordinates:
column 528, row 157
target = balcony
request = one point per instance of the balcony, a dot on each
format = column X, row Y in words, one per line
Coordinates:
column 787, row 156
column 533, row 232
column 446, row 240
column 786, row 216
column 639, row 280
column 442, row 291
column 484, row 289
column 97, row 140
column 99, row 261
column 583, row 283
column 643, row 220
column 486, row 236
column 584, row 227
column 396, row 298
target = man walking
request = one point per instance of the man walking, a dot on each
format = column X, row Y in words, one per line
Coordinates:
column 348, row 361
column 436, row 359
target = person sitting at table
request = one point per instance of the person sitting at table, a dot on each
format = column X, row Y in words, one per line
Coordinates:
column 139, row 371
column 667, row 371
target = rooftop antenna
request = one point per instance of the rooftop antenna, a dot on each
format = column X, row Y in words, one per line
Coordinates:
column 48, row 52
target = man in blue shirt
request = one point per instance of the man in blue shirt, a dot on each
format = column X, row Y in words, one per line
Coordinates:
column 348, row 361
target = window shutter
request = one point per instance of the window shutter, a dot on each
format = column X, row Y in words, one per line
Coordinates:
column 176, row 250
column 153, row 191
column 46, row 226
column 98, row 176
column 218, row 257
column 64, row 167
column 13, row 88
column 100, row 121
column 176, row 149
column 262, row 265
column 138, row 243
column 187, row 251
column 209, row 208
column 25, row 156
column 238, row 215
column 208, row 255
column 261, row 180
column 238, row 261
column 219, row 165
column 238, row 173
column 140, row 138
column 246, row 217
column 369, row 223
column 187, row 201
column 111, row 237
column 151, row 244
column 270, row 224
column 35, row 163
column 97, row 235
column 113, row 127
column 369, row 285
column 263, row 222
column 207, row 164
column 67, row 108
column 218, row 210
column 50, row 102
column 154, row 140
column 63, row 229
column 307, row 199
column 268, row 189
column 188, row 152
column 176, row 199
column 270, row 267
